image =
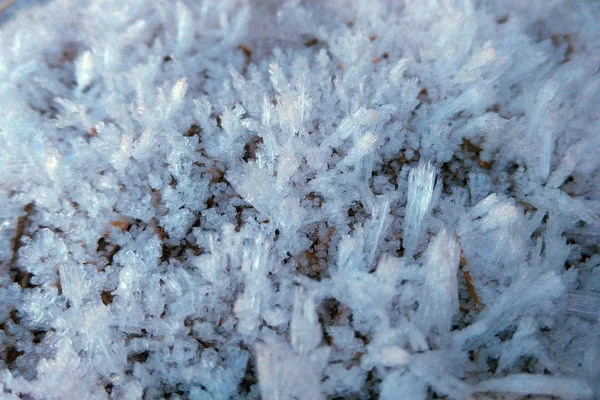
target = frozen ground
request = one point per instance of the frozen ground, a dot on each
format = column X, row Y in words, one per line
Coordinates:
column 299, row 199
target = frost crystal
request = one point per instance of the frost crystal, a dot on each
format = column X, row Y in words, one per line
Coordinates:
column 299, row 199
column 439, row 299
column 421, row 182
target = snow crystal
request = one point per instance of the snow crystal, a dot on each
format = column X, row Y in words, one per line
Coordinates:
column 290, row 199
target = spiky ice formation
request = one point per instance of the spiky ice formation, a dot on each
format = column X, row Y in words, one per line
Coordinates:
column 299, row 199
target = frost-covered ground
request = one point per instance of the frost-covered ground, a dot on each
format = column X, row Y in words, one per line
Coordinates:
column 299, row 200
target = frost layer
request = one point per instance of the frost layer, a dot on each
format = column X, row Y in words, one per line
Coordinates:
column 299, row 199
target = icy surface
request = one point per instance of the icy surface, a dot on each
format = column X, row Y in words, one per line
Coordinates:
column 299, row 199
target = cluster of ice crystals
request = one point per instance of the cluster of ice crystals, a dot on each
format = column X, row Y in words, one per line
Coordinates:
column 299, row 199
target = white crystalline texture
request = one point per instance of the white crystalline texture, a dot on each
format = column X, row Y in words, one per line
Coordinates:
column 439, row 298
column 299, row 199
column 389, row 357
column 569, row 389
column 584, row 303
column 305, row 330
column 284, row 209
column 491, row 237
column 524, row 297
column 541, row 130
column 421, row 182
column 248, row 307
column 363, row 146
column 74, row 284
column 281, row 376
column 440, row 370
column 84, row 70
column 51, row 373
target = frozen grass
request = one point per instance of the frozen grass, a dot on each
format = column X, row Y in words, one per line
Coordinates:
column 299, row 199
